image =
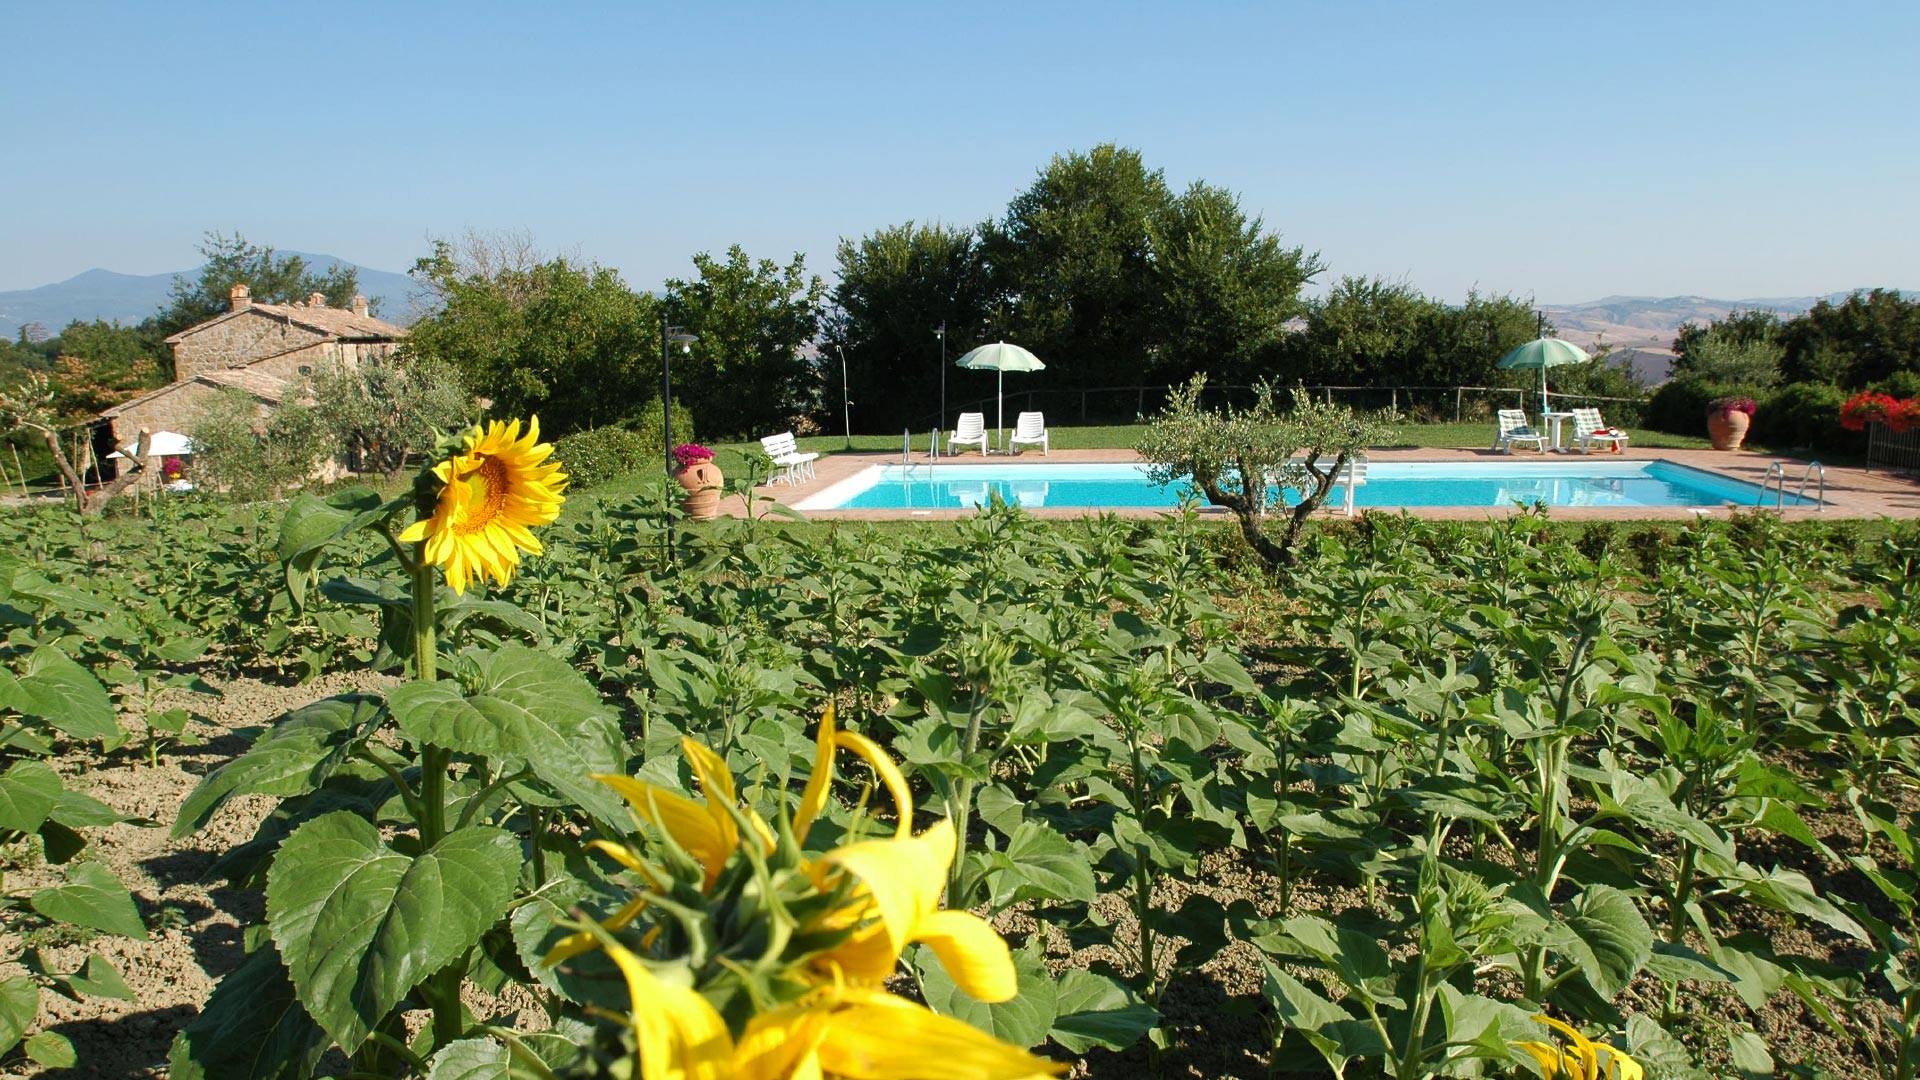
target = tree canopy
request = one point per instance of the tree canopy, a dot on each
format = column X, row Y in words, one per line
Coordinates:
column 569, row 342
column 746, row 375
column 271, row 278
column 897, row 286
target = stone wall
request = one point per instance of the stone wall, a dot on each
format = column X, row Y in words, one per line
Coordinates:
column 236, row 342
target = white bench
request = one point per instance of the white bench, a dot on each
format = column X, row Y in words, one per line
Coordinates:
column 794, row 465
column 1351, row 475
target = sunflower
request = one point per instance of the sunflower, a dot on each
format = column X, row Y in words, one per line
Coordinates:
column 492, row 492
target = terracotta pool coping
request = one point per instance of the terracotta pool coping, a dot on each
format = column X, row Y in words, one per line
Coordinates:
column 1851, row 493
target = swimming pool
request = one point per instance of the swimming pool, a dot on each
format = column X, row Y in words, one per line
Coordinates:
column 1568, row 482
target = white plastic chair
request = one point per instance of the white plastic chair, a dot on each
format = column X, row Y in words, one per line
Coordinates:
column 794, row 465
column 1589, row 429
column 1514, row 429
column 970, row 431
column 1031, row 429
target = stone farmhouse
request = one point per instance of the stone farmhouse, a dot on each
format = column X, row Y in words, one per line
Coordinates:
column 263, row 349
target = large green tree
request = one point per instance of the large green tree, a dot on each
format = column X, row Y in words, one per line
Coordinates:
column 1862, row 340
column 1072, row 261
column 272, row 278
column 1226, row 287
column 571, row 343
column 896, row 287
column 747, row 374
column 1373, row 332
column 100, row 364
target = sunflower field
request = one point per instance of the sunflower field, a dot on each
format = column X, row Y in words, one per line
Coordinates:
column 993, row 798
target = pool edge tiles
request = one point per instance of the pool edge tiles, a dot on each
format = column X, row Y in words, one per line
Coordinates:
column 1656, row 485
column 836, row 495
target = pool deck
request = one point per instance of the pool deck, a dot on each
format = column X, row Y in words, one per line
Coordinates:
column 1851, row 493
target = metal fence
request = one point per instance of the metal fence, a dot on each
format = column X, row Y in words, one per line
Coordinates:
column 1421, row 404
column 1895, row 450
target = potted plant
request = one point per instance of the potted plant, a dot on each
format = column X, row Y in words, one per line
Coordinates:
column 702, row 480
column 1727, row 421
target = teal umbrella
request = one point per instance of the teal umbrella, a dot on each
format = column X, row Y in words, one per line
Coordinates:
column 1000, row 357
column 1544, row 353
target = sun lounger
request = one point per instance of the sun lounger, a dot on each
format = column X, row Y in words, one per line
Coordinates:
column 1514, row 429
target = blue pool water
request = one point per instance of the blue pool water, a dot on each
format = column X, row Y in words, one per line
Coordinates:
column 1570, row 482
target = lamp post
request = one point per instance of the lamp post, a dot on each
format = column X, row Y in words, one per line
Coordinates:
column 669, row 337
column 941, row 333
column 846, row 402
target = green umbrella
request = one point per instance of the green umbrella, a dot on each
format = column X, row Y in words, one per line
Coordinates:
column 1000, row 357
column 1544, row 353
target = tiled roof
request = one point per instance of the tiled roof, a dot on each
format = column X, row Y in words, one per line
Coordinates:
column 339, row 323
column 267, row 388
column 258, row 383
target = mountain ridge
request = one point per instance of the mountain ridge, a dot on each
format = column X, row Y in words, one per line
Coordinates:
column 99, row 293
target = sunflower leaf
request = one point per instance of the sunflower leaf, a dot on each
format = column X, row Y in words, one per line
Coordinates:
column 361, row 924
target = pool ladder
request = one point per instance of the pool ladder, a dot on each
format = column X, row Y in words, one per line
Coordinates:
column 906, row 450
column 1777, row 473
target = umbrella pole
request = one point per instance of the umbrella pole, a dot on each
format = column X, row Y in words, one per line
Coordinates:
column 999, row 403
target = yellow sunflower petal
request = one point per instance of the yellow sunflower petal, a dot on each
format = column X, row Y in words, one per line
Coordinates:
column 781, row 1045
column 679, row 1034
column 1622, row 1067
column 1546, row 1054
column 688, row 822
column 889, row 775
column 813, row 798
column 976, row 958
column 883, row 1038
column 903, row 881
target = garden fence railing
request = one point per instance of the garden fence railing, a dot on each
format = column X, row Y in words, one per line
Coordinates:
column 1895, row 450
column 1131, row 404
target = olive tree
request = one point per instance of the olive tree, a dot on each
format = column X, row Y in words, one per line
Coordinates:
column 254, row 456
column 1234, row 455
column 384, row 411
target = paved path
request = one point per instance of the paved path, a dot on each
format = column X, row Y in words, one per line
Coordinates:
column 1851, row 493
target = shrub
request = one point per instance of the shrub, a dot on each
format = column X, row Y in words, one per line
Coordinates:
column 1805, row 414
column 598, row 455
column 645, row 421
column 1680, row 405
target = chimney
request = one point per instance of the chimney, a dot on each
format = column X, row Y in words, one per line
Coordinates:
column 241, row 298
column 360, row 305
column 317, row 300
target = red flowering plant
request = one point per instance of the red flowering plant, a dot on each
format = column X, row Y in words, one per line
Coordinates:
column 689, row 454
column 1723, row 406
column 1872, row 407
column 173, row 468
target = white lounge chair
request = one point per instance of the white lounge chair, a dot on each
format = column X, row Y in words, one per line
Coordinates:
column 970, row 431
column 1351, row 475
column 793, row 464
column 1514, row 429
column 1031, row 429
column 1589, row 429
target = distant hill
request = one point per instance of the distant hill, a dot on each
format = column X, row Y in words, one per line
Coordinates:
column 129, row 298
column 1641, row 329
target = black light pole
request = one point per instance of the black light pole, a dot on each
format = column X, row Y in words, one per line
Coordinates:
column 668, row 339
column 941, row 333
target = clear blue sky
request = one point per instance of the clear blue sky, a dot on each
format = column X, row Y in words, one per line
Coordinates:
column 1564, row 150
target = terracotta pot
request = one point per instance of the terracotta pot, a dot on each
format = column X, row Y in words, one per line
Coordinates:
column 1728, row 429
column 702, row 481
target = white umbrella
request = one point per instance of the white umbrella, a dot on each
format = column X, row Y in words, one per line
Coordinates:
column 1002, row 358
column 160, row 444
